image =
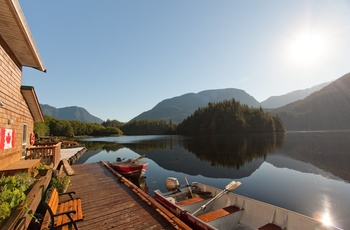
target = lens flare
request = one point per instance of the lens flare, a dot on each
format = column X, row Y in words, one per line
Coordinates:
column 326, row 219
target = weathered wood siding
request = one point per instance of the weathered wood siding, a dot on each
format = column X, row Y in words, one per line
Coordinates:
column 15, row 107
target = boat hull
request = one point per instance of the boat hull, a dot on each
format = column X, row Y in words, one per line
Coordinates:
column 248, row 213
column 131, row 171
column 182, row 214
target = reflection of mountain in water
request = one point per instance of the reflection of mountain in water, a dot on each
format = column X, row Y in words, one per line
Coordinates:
column 218, row 157
column 240, row 156
column 328, row 151
column 233, row 151
column 280, row 161
column 180, row 160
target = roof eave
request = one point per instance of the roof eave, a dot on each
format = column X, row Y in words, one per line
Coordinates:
column 30, row 56
column 32, row 101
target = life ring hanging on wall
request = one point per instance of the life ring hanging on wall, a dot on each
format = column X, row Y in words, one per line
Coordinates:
column 32, row 138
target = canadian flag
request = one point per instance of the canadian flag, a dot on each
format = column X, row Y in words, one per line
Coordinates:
column 7, row 138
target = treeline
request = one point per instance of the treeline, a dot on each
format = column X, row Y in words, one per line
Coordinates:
column 70, row 128
column 148, row 127
column 229, row 117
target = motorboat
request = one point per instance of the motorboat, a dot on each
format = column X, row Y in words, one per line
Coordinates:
column 205, row 207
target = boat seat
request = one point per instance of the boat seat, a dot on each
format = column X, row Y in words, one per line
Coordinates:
column 270, row 226
column 210, row 216
column 190, row 201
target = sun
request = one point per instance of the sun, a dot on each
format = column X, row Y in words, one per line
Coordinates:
column 307, row 48
column 326, row 219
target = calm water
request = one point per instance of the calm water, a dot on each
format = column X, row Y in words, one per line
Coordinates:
column 307, row 172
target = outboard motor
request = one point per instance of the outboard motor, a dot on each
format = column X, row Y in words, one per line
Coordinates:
column 119, row 159
column 172, row 184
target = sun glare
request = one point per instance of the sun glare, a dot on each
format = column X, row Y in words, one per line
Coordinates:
column 326, row 219
column 307, row 48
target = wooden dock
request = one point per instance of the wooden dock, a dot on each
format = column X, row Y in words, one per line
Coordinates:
column 108, row 203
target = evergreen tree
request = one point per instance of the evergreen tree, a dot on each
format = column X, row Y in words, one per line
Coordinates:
column 227, row 117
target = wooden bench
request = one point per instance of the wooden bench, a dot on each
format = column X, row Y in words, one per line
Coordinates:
column 271, row 225
column 210, row 216
column 190, row 201
column 61, row 214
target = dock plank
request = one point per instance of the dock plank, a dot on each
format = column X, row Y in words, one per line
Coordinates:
column 107, row 203
column 68, row 168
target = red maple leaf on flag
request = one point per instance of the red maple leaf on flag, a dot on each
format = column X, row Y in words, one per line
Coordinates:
column 8, row 137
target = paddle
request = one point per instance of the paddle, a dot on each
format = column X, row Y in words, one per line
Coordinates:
column 136, row 159
column 231, row 186
column 189, row 187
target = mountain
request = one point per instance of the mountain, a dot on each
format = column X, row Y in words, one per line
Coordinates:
column 278, row 101
column 69, row 113
column 326, row 109
column 178, row 108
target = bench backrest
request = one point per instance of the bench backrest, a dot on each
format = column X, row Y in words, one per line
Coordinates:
column 52, row 200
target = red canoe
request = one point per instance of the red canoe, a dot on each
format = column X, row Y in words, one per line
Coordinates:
column 131, row 170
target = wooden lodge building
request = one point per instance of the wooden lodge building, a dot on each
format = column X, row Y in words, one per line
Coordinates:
column 19, row 110
column 19, row 106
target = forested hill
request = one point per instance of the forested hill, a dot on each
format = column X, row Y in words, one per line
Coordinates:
column 178, row 108
column 228, row 117
column 70, row 113
column 327, row 109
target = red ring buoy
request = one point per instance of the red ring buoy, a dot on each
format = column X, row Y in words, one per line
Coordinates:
column 32, row 138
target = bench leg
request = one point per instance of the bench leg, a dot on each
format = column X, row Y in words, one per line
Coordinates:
column 72, row 221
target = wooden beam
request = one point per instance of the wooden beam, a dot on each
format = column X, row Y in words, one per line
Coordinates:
column 68, row 168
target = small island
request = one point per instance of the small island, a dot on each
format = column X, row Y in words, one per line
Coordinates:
column 230, row 117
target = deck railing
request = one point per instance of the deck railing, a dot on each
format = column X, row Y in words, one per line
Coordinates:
column 49, row 154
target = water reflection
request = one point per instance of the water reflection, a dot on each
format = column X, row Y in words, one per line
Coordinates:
column 219, row 151
column 327, row 151
column 304, row 172
column 233, row 151
column 142, row 184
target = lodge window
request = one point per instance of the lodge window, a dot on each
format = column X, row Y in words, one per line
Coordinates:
column 24, row 139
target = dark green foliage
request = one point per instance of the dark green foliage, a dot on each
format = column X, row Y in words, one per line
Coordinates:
column 112, row 123
column 279, row 127
column 109, row 131
column 228, row 117
column 61, row 128
column 85, row 128
column 148, row 127
column 66, row 128
column 12, row 192
column 41, row 129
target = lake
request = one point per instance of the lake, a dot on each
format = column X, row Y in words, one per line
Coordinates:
column 306, row 172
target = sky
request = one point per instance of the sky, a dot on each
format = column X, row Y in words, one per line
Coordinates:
column 119, row 58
